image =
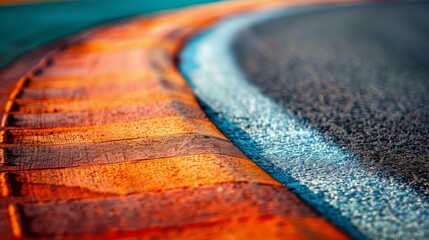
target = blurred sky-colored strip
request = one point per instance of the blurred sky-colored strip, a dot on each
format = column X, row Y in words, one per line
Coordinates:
column 26, row 26
column 14, row 2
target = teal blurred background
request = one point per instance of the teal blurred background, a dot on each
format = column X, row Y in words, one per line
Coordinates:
column 26, row 26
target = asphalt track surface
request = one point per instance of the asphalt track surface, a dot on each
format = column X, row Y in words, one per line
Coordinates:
column 358, row 76
column 332, row 102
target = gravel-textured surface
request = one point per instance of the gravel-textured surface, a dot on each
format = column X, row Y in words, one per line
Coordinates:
column 332, row 102
column 358, row 76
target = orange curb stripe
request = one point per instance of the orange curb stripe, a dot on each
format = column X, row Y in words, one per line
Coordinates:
column 64, row 156
column 72, row 82
column 103, row 102
column 4, row 185
column 111, row 46
column 41, row 82
column 165, row 126
column 129, row 87
column 105, row 116
column 138, row 177
column 14, row 221
column 65, row 82
column 266, row 227
column 187, row 207
column 92, row 64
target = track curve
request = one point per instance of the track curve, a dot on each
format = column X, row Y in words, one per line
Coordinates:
column 330, row 103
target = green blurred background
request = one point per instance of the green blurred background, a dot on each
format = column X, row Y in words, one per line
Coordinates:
column 26, row 26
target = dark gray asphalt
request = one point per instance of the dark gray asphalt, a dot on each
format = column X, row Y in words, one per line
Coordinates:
column 359, row 76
